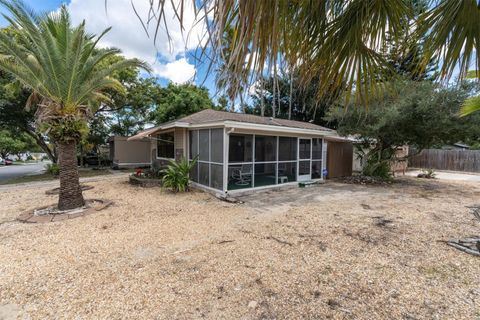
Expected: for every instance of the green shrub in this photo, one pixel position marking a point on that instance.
(379, 169)
(53, 169)
(177, 175)
(378, 164)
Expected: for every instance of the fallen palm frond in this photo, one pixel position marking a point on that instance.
(469, 245)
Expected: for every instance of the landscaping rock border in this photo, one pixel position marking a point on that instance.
(91, 206)
(145, 182)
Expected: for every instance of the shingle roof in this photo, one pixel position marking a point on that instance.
(212, 116)
(209, 115)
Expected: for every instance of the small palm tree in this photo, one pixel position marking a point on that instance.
(60, 64)
(177, 174)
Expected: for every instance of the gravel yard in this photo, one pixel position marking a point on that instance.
(332, 251)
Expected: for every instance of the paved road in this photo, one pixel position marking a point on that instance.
(14, 171)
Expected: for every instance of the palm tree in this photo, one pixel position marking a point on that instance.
(342, 42)
(59, 63)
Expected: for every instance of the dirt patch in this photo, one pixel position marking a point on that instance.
(302, 253)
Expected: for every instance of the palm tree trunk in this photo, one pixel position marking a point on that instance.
(70, 191)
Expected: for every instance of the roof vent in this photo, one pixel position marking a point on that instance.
(271, 119)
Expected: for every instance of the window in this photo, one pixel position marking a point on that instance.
(193, 144)
(287, 159)
(240, 148)
(216, 176)
(208, 145)
(316, 169)
(317, 148)
(304, 145)
(287, 149)
(287, 172)
(204, 145)
(216, 141)
(203, 177)
(166, 145)
(265, 148)
(240, 156)
(265, 174)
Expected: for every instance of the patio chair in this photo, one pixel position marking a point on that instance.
(243, 175)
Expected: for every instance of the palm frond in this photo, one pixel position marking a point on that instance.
(471, 105)
(58, 61)
(453, 35)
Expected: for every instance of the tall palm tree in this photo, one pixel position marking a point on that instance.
(59, 63)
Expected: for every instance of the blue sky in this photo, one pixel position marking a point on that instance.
(171, 61)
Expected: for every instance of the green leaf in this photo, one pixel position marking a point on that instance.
(470, 105)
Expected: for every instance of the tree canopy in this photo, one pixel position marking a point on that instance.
(14, 144)
(179, 100)
(414, 113)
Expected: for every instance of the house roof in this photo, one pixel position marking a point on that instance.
(210, 116)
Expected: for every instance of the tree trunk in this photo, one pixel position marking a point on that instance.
(70, 192)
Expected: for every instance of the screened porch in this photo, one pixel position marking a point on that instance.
(233, 161)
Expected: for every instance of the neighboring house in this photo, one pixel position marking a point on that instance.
(241, 152)
(129, 154)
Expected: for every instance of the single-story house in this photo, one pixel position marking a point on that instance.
(241, 152)
(129, 154)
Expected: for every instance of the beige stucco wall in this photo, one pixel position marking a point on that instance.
(129, 153)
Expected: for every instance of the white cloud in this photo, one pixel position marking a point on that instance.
(179, 71)
(128, 34)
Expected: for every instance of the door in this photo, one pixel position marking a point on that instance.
(304, 159)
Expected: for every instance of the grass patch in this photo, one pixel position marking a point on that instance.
(84, 173)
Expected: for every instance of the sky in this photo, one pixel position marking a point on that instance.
(170, 60)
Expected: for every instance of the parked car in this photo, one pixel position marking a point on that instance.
(90, 159)
(6, 162)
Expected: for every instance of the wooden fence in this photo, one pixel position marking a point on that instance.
(454, 160)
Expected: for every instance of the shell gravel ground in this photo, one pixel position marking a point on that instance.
(334, 251)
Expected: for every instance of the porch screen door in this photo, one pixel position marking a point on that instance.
(304, 159)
